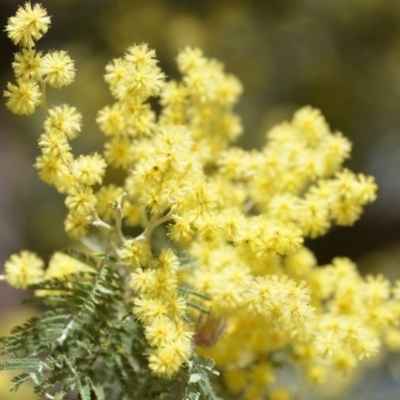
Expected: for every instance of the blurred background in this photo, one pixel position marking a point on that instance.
(341, 56)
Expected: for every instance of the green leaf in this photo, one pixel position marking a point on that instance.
(80, 256)
(186, 289)
(18, 380)
(193, 395)
(98, 391)
(84, 390)
(19, 363)
(60, 395)
(197, 306)
(36, 377)
(194, 378)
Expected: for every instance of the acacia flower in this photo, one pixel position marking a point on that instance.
(61, 265)
(53, 144)
(136, 253)
(141, 56)
(76, 225)
(111, 120)
(29, 24)
(106, 195)
(81, 200)
(89, 169)
(64, 120)
(118, 152)
(28, 64)
(58, 69)
(23, 98)
(23, 269)
(164, 362)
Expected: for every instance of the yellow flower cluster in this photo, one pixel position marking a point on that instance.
(240, 215)
(161, 310)
(32, 69)
(323, 317)
(298, 177)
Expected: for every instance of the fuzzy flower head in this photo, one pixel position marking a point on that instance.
(136, 253)
(141, 56)
(23, 98)
(61, 265)
(64, 120)
(81, 200)
(28, 64)
(76, 225)
(89, 169)
(23, 269)
(28, 25)
(58, 68)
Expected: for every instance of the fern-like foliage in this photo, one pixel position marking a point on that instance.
(89, 346)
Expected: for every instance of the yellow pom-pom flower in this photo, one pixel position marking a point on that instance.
(23, 269)
(23, 98)
(136, 253)
(28, 25)
(64, 120)
(81, 200)
(28, 64)
(58, 69)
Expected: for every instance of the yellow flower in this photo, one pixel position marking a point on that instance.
(29, 24)
(164, 362)
(53, 171)
(28, 64)
(81, 201)
(141, 56)
(118, 152)
(64, 120)
(76, 225)
(146, 310)
(23, 269)
(190, 58)
(53, 144)
(115, 73)
(160, 331)
(142, 281)
(89, 169)
(23, 98)
(235, 379)
(143, 83)
(111, 120)
(131, 213)
(58, 69)
(105, 196)
(61, 265)
(280, 394)
(136, 253)
(180, 231)
(167, 260)
(312, 124)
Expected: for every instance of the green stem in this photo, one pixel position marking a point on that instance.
(192, 292)
(248, 206)
(117, 207)
(99, 223)
(44, 102)
(153, 223)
